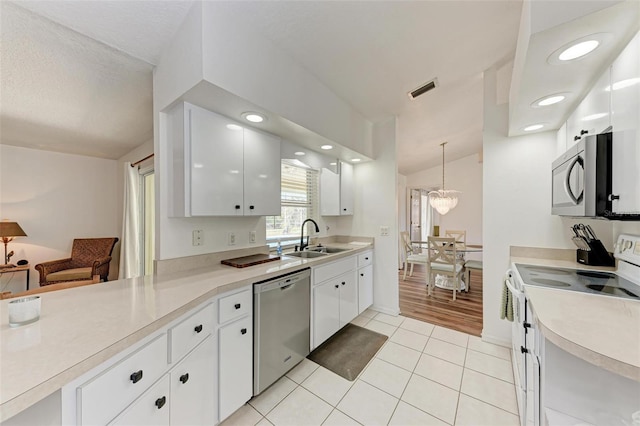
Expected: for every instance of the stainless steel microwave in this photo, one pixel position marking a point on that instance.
(598, 177)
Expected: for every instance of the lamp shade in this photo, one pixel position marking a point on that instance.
(11, 229)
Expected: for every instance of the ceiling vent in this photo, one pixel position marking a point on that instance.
(423, 89)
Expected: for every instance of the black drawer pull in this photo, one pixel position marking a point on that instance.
(344, 210)
(136, 377)
(362, 275)
(237, 206)
(337, 286)
(198, 328)
(251, 207)
(237, 306)
(243, 331)
(184, 378)
(366, 258)
(343, 283)
(160, 402)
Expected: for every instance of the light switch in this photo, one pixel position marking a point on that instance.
(252, 237)
(232, 238)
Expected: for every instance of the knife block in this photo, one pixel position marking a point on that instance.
(596, 256)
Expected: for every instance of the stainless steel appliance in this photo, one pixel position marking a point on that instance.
(526, 342)
(598, 177)
(282, 312)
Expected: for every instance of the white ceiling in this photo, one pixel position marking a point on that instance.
(65, 91)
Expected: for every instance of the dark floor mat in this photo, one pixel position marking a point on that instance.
(348, 351)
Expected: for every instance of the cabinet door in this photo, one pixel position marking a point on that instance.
(346, 189)
(215, 164)
(326, 311)
(193, 387)
(261, 174)
(348, 297)
(235, 372)
(151, 408)
(625, 96)
(329, 193)
(365, 288)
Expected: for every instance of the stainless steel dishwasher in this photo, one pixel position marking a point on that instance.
(282, 308)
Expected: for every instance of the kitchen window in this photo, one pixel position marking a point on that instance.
(299, 199)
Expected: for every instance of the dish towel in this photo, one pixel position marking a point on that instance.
(506, 307)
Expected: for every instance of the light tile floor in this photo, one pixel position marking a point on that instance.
(423, 375)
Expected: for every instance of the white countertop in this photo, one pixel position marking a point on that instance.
(82, 327)
(602, 330)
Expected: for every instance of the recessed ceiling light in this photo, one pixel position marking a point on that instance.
(234, 127)
(333, 164)
(234, 172)
(326, 147)
(197, 165)
(356, 160)
(578, 50)
(623, 84)
(549, 100)
(594, 116)
(533, 127)
(299, 153)
(253, 117)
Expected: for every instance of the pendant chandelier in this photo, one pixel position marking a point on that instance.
(443, 200)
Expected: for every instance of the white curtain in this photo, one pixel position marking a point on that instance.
(130, 250)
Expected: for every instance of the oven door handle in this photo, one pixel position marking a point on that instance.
(510, 286)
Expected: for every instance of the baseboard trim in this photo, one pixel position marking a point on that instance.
(495, 340)
(387, 311)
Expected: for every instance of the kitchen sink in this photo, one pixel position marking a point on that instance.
(306, 254)
(336, 250)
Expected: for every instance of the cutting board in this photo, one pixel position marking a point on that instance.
(256, 259)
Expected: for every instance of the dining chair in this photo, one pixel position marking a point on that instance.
(459, 236)
(410, 256)
(443, 260)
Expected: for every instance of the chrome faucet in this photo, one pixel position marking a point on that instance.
(302, 243)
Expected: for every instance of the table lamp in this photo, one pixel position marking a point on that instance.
(8, 231)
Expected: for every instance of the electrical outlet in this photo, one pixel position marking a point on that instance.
(232, 238)
(197, 237)
(252, 237)
(384, 231)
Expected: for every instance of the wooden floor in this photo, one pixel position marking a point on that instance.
(465, 314)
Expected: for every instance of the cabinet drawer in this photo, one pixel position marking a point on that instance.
(103, 397)
(190, 332)
(151, 409)
(333, 269)
(235, 306)
(365, 259)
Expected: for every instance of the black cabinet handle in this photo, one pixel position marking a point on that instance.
(251, 207)
(576, 138)
(583, 132)
(344, 210)
(343, 283)
(366, 258)
(362, 275)
(524, 350)
(160, 402)
(337, 286)
(136, 377)
(237, 306)
(198, 328)
(184, 378)
(237, 206)
(526, 325)
(243, 331)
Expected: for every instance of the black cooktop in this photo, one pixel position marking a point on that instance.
(585, 281)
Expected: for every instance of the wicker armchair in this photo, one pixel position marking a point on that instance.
(89, 257)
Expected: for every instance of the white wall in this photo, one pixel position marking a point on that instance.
(375, 205)
(55, 198)
(203, 50)
(463, 175)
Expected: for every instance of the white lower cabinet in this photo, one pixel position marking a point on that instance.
(365, 288)
(235, 372)
(150, 409)
(193, 387)
(335, 304)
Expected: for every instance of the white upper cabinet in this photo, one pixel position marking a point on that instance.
(592, 116)
(221, 171)
(336, 191)
(261, 174)
(625, 96)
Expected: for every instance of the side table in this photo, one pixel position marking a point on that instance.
(14, 269)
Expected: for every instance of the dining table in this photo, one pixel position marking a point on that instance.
(461, 250)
